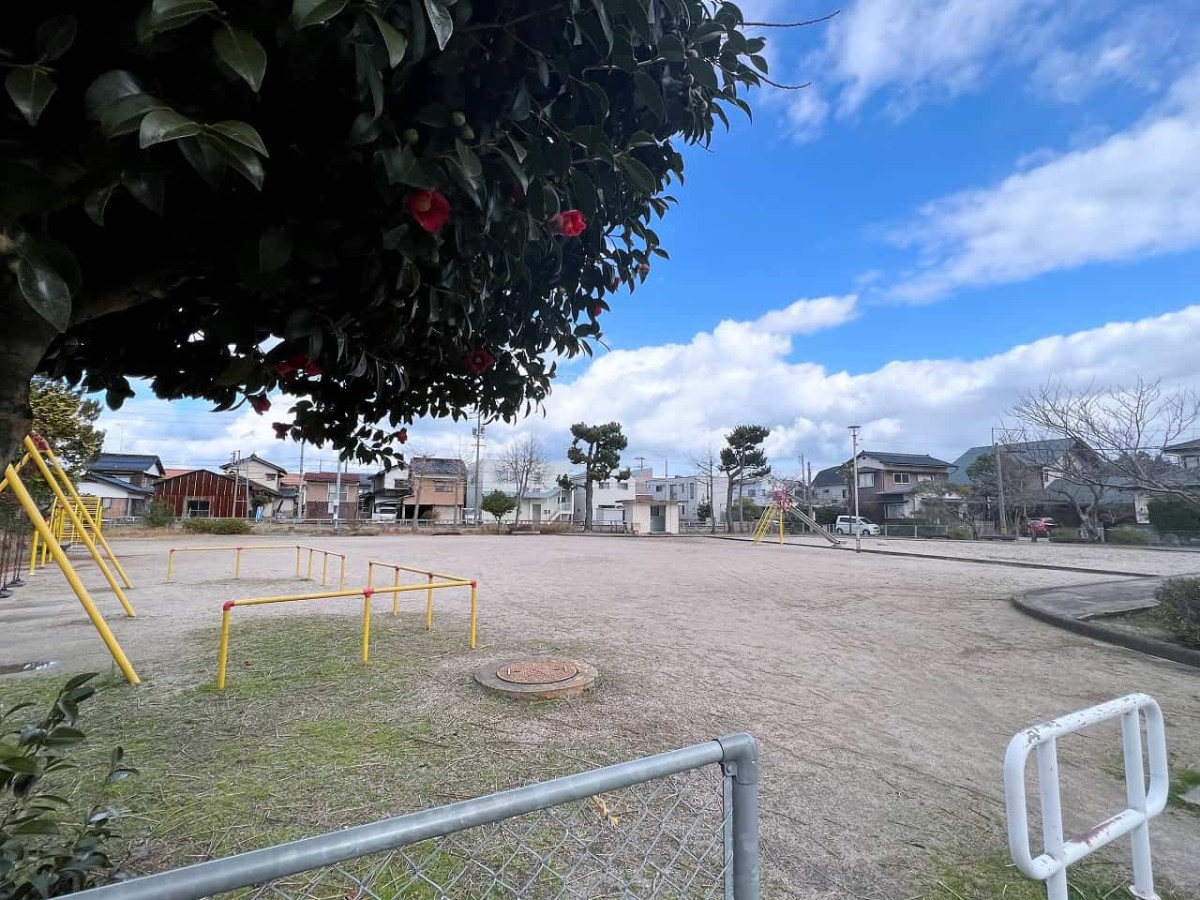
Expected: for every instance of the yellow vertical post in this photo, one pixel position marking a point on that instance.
(297, 560)
(223, 650)
(324, 566)
(396, 594)
(237, 562)
(33, 553)
(342, 576)
(429, 604)
(370, 574)
(170, 562)
(781, 526)
(309, 576)
(39, 524)
(474, 609)
(77, 525)
(366, 641)
(95, 522)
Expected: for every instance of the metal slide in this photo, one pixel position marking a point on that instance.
(812, 523)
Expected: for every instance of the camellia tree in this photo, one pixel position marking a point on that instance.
(385, 208)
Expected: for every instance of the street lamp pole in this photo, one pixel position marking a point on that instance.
(857, 527)
(999, 483)
(477, 433)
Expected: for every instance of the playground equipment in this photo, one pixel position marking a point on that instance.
(366, 593)
(781, 506)
(297, 549)
(38, 451)
(430, 576)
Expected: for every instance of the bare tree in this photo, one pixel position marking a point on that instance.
(1115, 435)
(524, 464)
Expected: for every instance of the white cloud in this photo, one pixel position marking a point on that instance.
(1134, 194)
(675, 400)
(904, 53)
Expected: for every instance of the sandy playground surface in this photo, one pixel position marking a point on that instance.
(883, 689)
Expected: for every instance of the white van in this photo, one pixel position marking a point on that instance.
(855, 524)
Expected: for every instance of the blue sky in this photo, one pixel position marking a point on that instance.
(986, 193)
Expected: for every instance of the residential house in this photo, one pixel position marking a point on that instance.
(256, 469)
(206, 493)
(1188, 453)
(386, 492)
(138, 469)
(606, 497)
(830, 488)
(438, 489)
(888, 482)
(1044, 461)
(118, 499)
(688, 492)
(492, 476)
(319, 496)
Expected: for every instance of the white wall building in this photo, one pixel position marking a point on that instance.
(688, 492)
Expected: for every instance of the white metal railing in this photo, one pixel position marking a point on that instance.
(1143, 805)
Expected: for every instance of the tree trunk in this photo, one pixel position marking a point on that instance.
(587, 503)
(27, 337)
(729, 504)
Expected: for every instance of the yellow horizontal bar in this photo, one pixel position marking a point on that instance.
(416, 571)
(329, 595)
(316, 550)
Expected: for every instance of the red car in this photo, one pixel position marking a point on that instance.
(1041, 527)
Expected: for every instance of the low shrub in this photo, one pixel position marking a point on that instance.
(217, 526)
(1127, 534)
(1179, 605)
(46, 848)
(960, 534)
(158, 515)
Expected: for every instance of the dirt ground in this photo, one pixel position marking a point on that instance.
(883, 689)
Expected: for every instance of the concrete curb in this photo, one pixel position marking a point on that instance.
(1093, 629)
(1010, 563)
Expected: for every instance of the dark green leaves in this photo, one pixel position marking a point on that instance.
(395, 42)
(315, 12)
(166, 15)
(649, 94)
(54, 37)
(440, 21)
(165, 125)
(274, 250)
(30, 89)
(643, 179)
(48, 277)
(242, 52)
(240, 133)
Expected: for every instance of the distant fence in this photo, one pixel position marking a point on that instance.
(675, 826)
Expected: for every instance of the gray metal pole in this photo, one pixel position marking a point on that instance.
(855, 526)
(337, 496)
(740, 752)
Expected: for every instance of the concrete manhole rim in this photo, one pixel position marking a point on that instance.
(585, 676)
(537, 671)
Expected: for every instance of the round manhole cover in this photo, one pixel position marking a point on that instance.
(537, 671)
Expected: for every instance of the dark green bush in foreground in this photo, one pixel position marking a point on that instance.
(217, 526)
(1179, 605)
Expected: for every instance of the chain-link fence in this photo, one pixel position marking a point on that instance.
(681, 825)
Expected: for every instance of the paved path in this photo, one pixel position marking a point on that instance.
(1081, 609)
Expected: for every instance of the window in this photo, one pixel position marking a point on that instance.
(272, 476)
(196, 509)
(443, 487)
(843, 493)
(692, 491)
(924, 478)
(106, 502)
(901, 478)
(622, 484)
(604, 485)
(658, 488)
(866, 479)
(750, 493)
(894, 511)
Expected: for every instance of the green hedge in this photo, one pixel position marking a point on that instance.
(1173, 516)
(1179, 605)
(1127, 534)
(217, 526)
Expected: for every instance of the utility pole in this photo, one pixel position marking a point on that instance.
(809, 490)
(300, 487)
(857, 527)
(477, 433)
(236, 458)
(337, 496)
(641, 461)
(999, 483)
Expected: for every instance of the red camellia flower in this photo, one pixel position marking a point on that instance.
(516, 193)
(401, 436)
(597, 310)
(281, 429)
(311, 368)
(297, 362)
(259, 403)
(479, 361)
(569, 222)
(430, 208)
